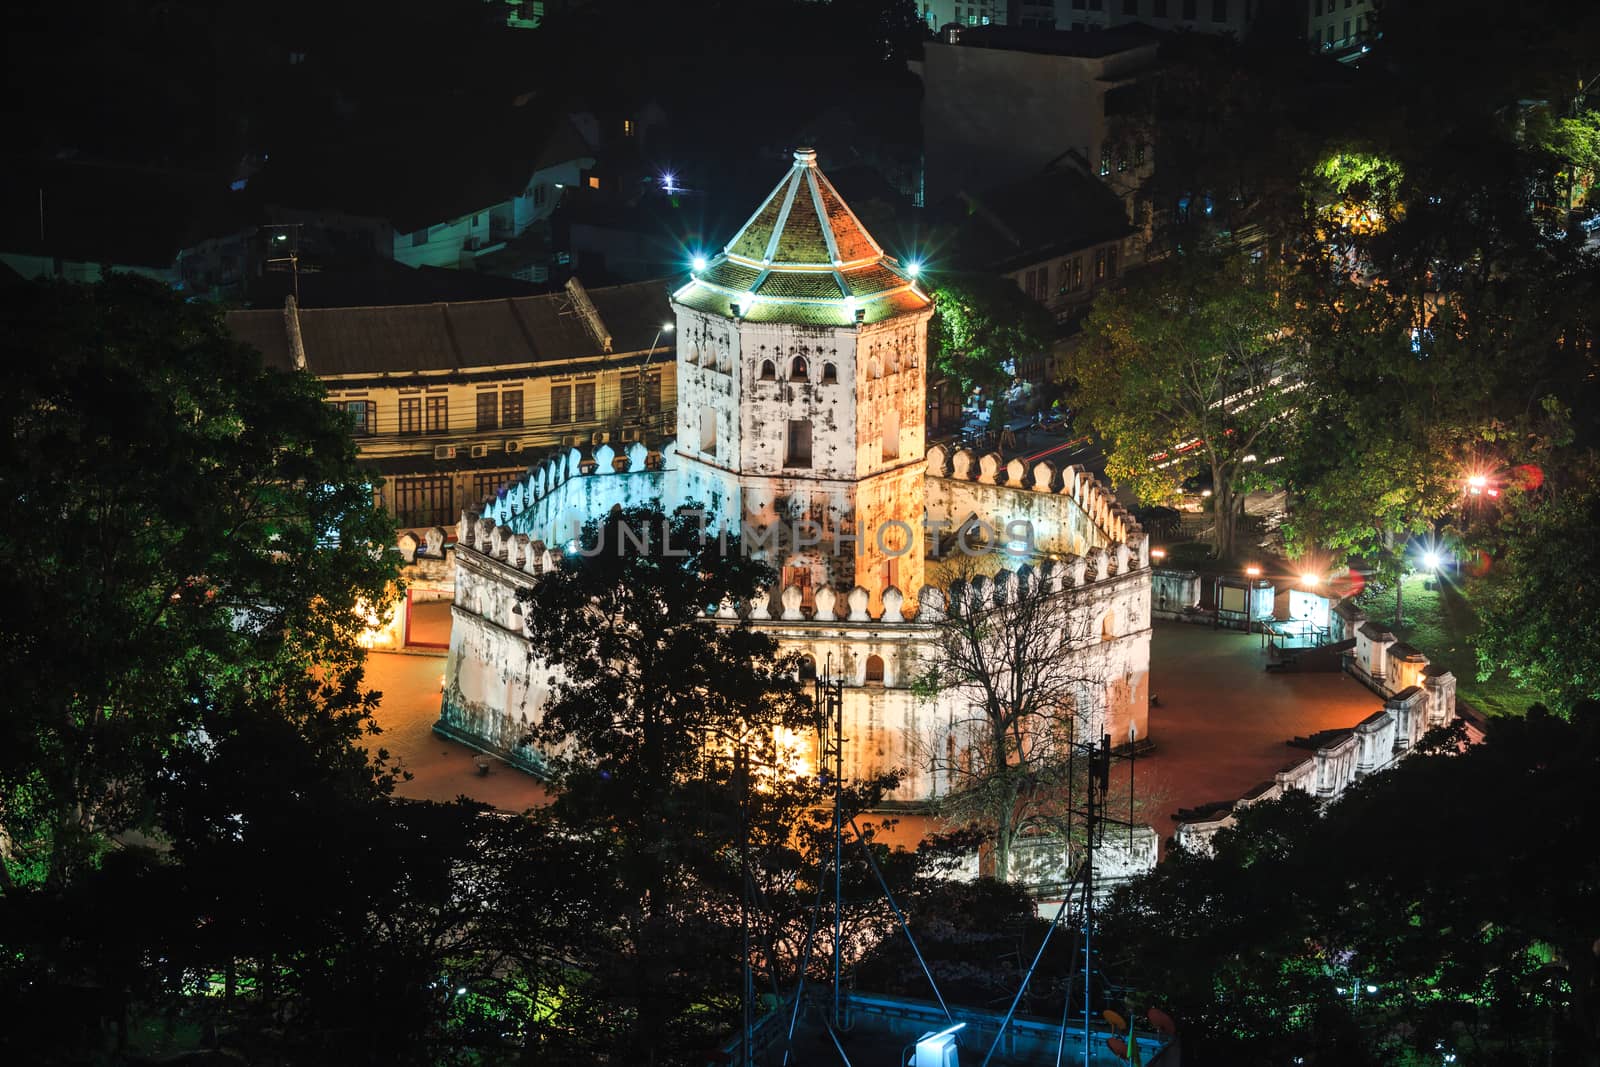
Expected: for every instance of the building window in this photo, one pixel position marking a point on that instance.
(1346, 33)
(1122, 162)
(363, 416)
(830, 374)
(1077, 5)
(1219, 10)
(488, 411)
(1100, 266)
(583, 401)
(560, 404)
(708, 432)
(1111, 262)
(891, 434)
(808, 669)
(511, 409)
(594, 182)
(874, 671)
(487, 486)
(1138, 154)
(538, 195)
(424, 501)
(627, 128)
(411, 415)
(1159, 8)
(798, 370)
(1036, 283)
(1105, 160)
(1316, 7)
(798, 453)
(630, 393)
(769, 370)
(438, 414)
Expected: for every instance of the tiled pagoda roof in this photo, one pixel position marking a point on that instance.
(804, 257)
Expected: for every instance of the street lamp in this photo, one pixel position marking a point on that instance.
(644, 370)
(1430, 561)
(1253, 571)
(1158, 554)
(1311, 581)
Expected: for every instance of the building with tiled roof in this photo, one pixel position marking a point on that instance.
(445, 398)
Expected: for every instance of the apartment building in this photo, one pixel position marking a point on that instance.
(451, 401)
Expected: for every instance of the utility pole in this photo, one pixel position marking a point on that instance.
(293, 258)
(830, 736)
(742, 764)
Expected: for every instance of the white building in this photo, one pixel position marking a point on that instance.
(801, 383)
(480, 229)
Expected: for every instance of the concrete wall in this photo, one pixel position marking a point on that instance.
(993, 116)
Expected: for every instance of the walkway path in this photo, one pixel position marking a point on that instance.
(442, 770)
(1223, 720)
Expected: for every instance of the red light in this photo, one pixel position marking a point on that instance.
(1528, 476)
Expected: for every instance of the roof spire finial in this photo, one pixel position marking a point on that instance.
(806, 155)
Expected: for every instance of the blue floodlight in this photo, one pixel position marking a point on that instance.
(698, 263)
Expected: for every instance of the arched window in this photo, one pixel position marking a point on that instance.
(798, 369)
(1108, 626)
(769, 370)
(808, 669)
(830, 374)
(874, 670)
(874, 369)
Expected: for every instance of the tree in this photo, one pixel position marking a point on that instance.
(183, 524)
(1537, 606)
(1332, 937)
(647, 698)
(1009, 657)
(1187, 370)
(982, 327)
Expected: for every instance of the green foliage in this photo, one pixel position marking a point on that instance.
(1538, 602)
(1266, 950)
(982, 327)
(1188, 370)
(185, 527)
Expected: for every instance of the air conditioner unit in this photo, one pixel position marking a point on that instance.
(479, 451)
(513, 446)
(444, 451)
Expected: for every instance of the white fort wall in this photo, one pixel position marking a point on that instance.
(492, 696)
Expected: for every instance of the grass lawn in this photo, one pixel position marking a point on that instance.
(1439, 623)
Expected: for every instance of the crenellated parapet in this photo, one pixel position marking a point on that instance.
(1069, 507)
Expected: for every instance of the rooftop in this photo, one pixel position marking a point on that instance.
(1079, 44)
(353, 341)
(1054, 212)
(803, 257)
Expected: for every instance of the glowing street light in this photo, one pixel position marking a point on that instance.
(1311, 580)
(669, 182)
(914, 268)
(1476, 484)
(1158, 554)
(1431, 560)
(1253, 571)
(698, 264)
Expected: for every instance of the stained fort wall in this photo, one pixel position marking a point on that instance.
(876, 645)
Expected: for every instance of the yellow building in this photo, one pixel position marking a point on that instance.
(452, 401)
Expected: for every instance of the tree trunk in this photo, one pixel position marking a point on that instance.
(1222, 514)
(1006, 812)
